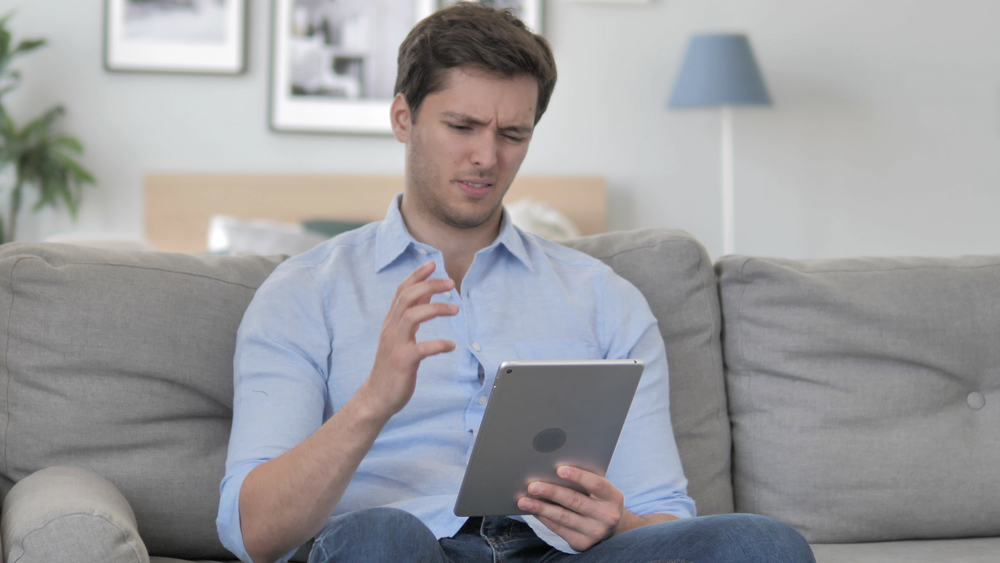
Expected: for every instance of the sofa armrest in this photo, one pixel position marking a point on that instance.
(68, 513)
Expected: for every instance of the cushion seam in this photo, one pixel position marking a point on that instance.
(715, 364)
(644, 247)
(880, 270)
(753, 410)
(106, 519)
(145, 268)
(6, 366)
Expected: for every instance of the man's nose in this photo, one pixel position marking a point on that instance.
(484, 150)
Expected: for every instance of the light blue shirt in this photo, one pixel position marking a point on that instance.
(308, 340)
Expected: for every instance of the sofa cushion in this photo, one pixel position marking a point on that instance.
(865, 394)
(972, 550)
(67, 510)
(120, 362)
(674, 273)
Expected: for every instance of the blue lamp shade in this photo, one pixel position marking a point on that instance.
(719, 70)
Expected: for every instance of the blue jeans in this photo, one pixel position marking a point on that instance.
(393, 536)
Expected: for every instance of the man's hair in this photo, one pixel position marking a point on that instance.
(473, 35)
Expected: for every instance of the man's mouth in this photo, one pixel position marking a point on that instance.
(475, 189)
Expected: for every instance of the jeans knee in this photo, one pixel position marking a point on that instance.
(768, 535)
(385, 518)
(375, 534)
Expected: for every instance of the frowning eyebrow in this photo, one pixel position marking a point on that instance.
(467, 119)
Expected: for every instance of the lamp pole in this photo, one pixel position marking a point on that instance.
(728, 192)
(720, 70)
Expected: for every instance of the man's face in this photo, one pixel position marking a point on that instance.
(465, 145)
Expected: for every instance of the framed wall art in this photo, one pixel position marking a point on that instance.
(333, 62)
(195, 36)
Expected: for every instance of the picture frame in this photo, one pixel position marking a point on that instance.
(175, 36)
(333, 63)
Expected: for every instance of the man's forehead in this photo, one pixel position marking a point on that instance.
(481, 96)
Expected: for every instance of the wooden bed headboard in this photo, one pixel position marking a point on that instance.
(178, 207)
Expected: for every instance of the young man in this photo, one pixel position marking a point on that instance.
(363, 366)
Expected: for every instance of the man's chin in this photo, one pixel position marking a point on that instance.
(473, 220)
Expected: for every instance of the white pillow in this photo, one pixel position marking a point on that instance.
(232, 235)
(541, 219)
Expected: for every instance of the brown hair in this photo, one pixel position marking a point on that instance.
(472, 34)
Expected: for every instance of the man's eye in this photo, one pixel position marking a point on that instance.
(514, 138)
(460, 127)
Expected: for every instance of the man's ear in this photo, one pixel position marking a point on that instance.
(399, 115)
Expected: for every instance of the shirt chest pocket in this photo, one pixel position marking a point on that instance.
(533, 350)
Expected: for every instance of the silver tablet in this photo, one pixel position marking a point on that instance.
(542, 415)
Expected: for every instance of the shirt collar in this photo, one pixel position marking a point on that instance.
(393, 239)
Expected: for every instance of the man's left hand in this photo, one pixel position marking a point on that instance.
(582, 520)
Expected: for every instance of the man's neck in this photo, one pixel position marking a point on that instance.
(457, 245)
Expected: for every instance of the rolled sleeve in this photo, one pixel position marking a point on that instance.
(280, 384)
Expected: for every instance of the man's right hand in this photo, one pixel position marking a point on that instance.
(394, 374)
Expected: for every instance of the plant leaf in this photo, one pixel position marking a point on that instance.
(69, 143)
(27, 45)
(80, 174)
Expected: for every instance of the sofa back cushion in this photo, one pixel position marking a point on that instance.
(865, 394)
(121, 363)
(674, 273)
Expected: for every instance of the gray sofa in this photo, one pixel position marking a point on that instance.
(853, 399)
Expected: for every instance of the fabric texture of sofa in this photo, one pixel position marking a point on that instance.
(855, 400)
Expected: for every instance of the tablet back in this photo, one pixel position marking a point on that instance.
(542, 415)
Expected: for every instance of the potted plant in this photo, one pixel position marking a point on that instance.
(41, 158)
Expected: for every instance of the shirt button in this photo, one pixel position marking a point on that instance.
(477, 347)
(422, 251)
(482, 400)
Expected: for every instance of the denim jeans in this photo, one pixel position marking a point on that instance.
(389, 535)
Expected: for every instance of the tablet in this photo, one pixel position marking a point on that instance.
(542, 415)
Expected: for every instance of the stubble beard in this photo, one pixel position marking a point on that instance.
(424, 176)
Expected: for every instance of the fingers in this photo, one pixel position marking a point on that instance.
(568, 507)
(431, 347)
(593, 483)
(579, 532)
(413, 316)
(418, 275)
(405, 292)
(418, 293)
(394, 371)
(575, 515)
(575, 539)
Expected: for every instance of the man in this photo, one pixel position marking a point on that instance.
(363, 366)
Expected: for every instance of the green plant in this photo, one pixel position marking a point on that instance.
(41, 158)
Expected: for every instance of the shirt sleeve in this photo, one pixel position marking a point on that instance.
(646, 465)
(279, 384)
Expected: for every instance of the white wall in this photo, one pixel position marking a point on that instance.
(884, 138)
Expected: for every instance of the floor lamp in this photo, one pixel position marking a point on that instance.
(719, 70)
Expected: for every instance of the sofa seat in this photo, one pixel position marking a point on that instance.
(972, 550)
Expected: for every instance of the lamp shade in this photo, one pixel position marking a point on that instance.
(719, 70)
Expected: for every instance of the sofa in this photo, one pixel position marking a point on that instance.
(855, 399)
